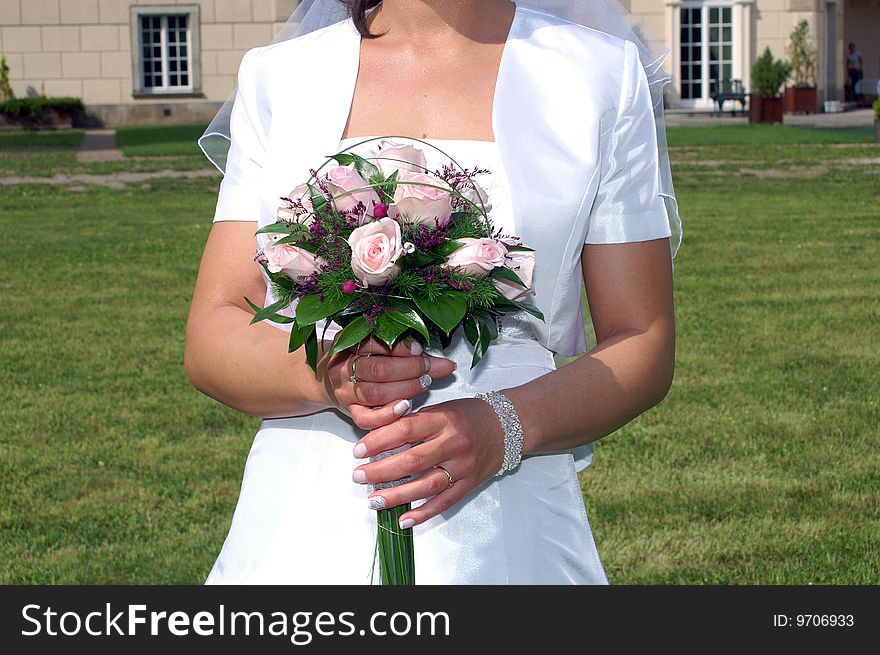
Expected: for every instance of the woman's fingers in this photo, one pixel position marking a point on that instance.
(379, 368)
(369, 418)
(430, 484)
(380, 393)
(439, 503)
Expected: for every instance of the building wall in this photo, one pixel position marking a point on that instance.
(768, 23)
(83, 48)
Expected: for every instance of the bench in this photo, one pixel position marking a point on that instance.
(729, 90)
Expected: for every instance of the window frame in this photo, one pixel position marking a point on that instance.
(192, 12)
(704, 7)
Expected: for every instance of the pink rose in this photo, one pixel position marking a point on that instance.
(477, 256)
(393, 156)
(521, 262)
(375, 247)
(290, 260)
(475, 193)
(346, 178)
(418, 203)
(291, 214)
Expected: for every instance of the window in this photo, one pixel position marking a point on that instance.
(166, 51)
(706, 49)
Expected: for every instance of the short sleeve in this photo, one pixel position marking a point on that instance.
(628, 205)
(239, 198)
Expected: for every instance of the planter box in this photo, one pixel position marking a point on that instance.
(765, 110)
(800, 100)
(49, 118)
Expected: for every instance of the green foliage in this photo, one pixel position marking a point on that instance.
(769, 74)
(6, 92)
(802, 55)
(34, 107)
(467, 225)
(876, 107)
(160, 140)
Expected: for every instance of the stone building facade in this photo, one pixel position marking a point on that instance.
(175, 60)
(717, 39)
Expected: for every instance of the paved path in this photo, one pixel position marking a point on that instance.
(99, 145)
(852, 118)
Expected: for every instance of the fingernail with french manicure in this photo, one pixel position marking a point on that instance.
(399, 409)
(359, 476)
(415, 347)
(359, 450)
(405, 524)
(377, 502)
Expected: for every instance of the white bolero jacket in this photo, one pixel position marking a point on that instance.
(572, 118)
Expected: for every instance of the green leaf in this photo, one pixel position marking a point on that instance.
(293, 240)
(273, 228)
(311, 310)
(506, 274)
(471, 331)
(312, 349)
(520, 248)
(447, 248)
(490, 325)
(410, 318)
(262, 313)
(367, 170)
(356, 331)
(299, 335)
(343, 158)
(446, 312)
(388, 330)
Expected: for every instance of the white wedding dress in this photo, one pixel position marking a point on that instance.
(301, 519)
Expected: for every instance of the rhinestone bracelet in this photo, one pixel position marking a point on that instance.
(513, 434)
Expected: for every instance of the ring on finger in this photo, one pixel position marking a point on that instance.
(450, 480)
(354, 360)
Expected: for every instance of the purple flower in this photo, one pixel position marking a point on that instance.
(380, 209)
(349, 287)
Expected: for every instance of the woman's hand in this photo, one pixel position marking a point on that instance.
(463, 436)
(387, 379)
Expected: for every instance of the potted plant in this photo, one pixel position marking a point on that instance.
(801, 96)
(768, 76)
(876, 107)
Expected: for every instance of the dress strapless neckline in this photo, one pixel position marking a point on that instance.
(355, 139)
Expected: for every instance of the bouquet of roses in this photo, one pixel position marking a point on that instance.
(382, 246)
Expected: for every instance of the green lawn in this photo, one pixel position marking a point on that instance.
(760, 466)
(147, 141)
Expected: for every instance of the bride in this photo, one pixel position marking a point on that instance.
(562, 116)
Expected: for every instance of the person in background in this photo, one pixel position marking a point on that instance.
(855, 72)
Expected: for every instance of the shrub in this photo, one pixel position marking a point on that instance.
(876, 107)
(769, 74)
(6, 92)
(34, 107)
(802, 55)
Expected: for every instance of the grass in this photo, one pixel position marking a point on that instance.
(152, 141)
(760, 466)
(36, 140)
(762, 134)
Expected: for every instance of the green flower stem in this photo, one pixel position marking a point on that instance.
(396, 553)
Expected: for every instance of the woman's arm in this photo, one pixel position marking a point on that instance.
(629, 287)
(248, 368)
(241, 365)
